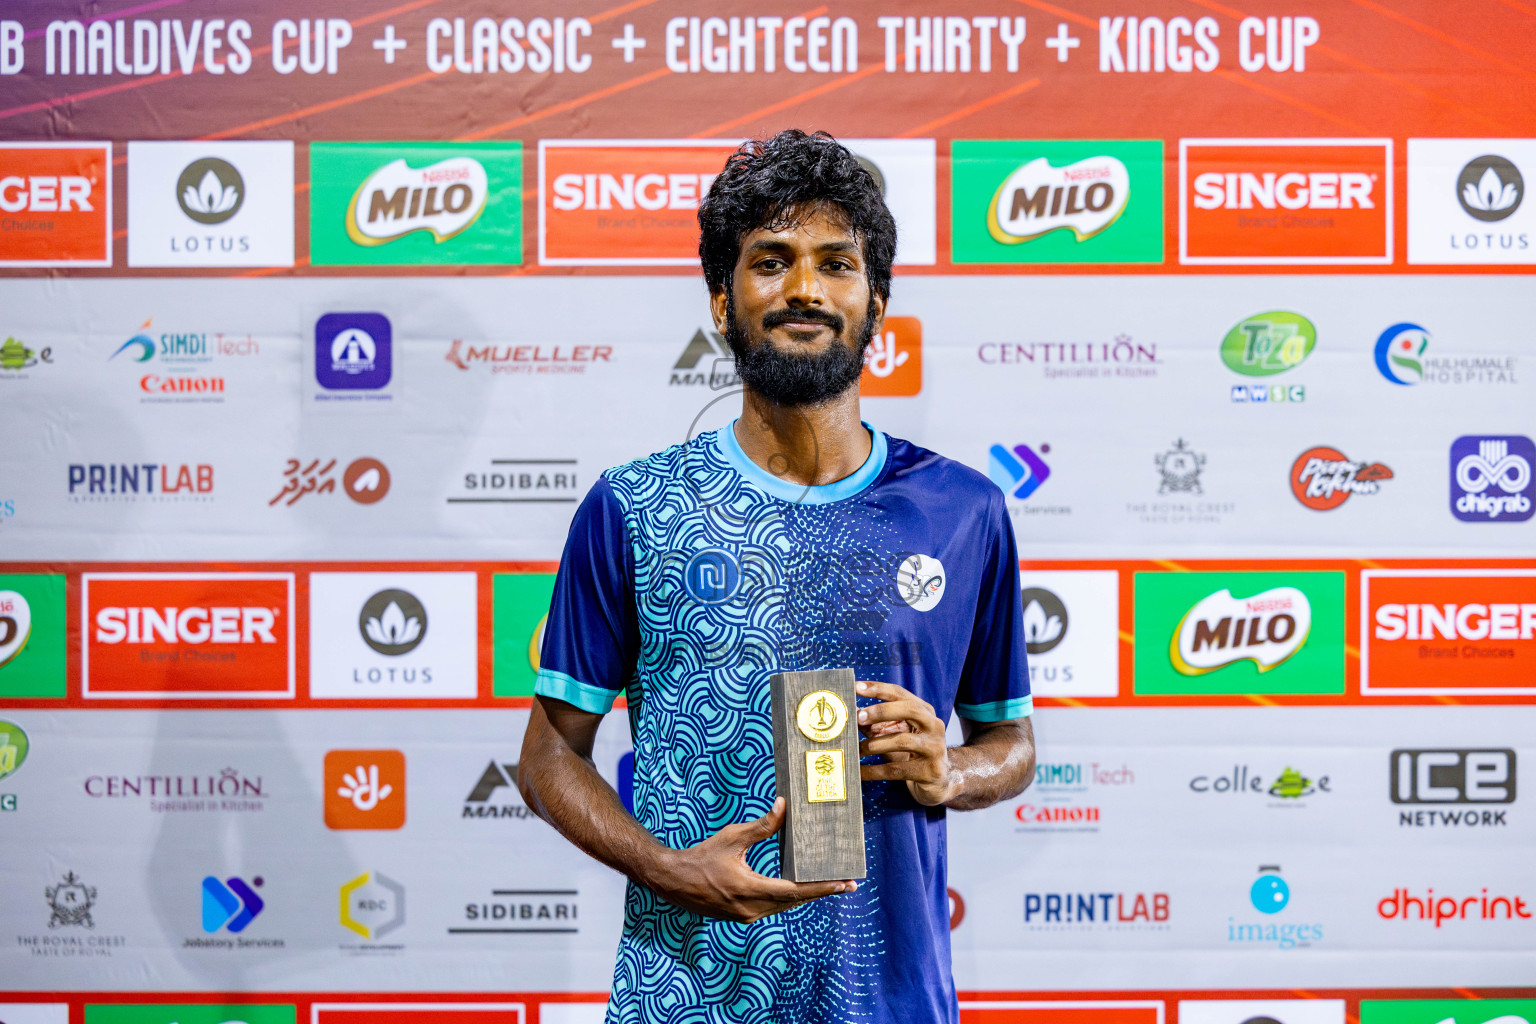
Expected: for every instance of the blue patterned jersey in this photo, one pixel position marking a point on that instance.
(690, 577)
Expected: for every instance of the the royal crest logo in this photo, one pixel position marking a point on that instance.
(1220, 630)
(71, 902)
(1084, 197)
(1180, 469)
(443, 198)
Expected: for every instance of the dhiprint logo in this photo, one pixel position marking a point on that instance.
(1323, 478)
(372, 905)
(364, 789)
(353, 351)
(231, 904)
(393, 622)
(1268, 343)
(210, 190)
(1490, 188)
(210, 204)
(1402, 905)
(1084, 197)
(712, 576)
(1400, 353)
(893, 362)
(397, 199)
(1018, 472)
(920, 581)
(1491, 478)
(1045, 620)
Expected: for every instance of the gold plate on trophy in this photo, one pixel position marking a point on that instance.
(821, 716)
(824, 779)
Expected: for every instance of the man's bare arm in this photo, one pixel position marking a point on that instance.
(559, 781)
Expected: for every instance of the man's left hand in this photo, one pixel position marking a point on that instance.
(904, 730)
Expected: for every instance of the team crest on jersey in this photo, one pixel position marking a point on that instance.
(920, 582)
(712, 576)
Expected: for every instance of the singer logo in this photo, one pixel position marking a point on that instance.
(621, 203)
(187, 635)
(893, 363)
(1448, 631)
(1279, 201)
(56, 204)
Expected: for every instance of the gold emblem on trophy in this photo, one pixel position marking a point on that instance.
(821, 716)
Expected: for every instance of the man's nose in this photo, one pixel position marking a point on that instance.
(802, 285)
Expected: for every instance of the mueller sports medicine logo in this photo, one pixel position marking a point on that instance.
(1084, 197)
(1448, 631)
(1220, 630)
(1285, 201)
(1492, 479)
(56, 204)
(1322, 478)
(530, 359)
(442, 199)
(1461, 788)
(187, 635)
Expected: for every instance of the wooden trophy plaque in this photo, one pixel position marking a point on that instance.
(816, 766)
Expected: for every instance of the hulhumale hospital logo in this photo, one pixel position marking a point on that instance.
(712, 576)
(1400, 353)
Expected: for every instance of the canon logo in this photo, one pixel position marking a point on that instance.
(194, 625)
(1325, 190)
(45, 193)
(629, 191)
(1450, 622)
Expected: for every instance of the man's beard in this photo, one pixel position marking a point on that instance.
(792, 378)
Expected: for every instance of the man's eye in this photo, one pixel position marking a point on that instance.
(839, 265)
(771, 263)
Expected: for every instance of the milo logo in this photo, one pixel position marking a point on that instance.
(1220, 629)
(444, 199)
(1085, 197)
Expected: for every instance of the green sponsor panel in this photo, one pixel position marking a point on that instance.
(413, 204)
(32, 635)
(1056, 202)
(1446, 1011)
(519, 603)
(1200, 633)
(188, 1013)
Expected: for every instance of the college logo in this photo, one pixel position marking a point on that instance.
(920, 582)
(1285, 201)
(1491, 478)
(1268, 343)
(187, 635)
(56, 204)
(1400, 353)
(352, 351)
(1403, 905)
(1290, 787)
(1490, 188)
(1071, 631)
(1239, 632)
(1018, 472)
(16, 357)
(1057, 202)
(415, 203)
(1466, 201)
(382, 642)
(232, 904)
(364, 789)
(1261, 1011)
(1323, 478)
(372, 905)
(1447, 1011)
(210, 204)
(1455, 778)
(1448, 631)
(712, 576)
(519, 606)
(71, 902)
(393, 622)
(893, 362)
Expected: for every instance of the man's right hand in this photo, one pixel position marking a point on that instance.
(713, 878)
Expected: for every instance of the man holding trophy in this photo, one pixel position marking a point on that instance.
(733, 587)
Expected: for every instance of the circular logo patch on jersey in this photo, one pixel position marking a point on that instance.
(821, 715)
(920, 581)
(712, 576)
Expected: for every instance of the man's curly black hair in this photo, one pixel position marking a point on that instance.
(775, 183)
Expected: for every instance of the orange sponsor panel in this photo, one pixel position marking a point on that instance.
(364, 789)
(1285, 201)
(1109, 1012)
(1429, 631)
(893, 363)
(624, 203)
(187, 635)
(56, 204)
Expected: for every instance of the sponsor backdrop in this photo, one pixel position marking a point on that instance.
(317, 320)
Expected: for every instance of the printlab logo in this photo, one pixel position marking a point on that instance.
(353, 351)
(372, 905)
(1264, 345)
(1323, 478)
(718, 369)
(893, 362)
(16, 357)
(231, 904)
(1270, 895)
(1491, 478)
(1097, 911)
(1490, 188)
(712, 576)
(1045, 620)
(495, 795)
(364, 789)
(210, 190)
(71, 902)
(1453, 779)
(920, 582)
(393, 622)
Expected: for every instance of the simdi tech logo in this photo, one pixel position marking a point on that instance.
(32, 639)
(405, 204)
(56, 204)
(189, 1013)
(1057, 202)
(1467, 201)
(212, 635)
(210, 204)
(1448, 1011)
(1285, 201)
(1239, 632)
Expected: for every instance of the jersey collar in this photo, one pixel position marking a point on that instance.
(861, 478)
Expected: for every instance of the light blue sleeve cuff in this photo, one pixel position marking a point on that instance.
(560, 686)
(998, 710)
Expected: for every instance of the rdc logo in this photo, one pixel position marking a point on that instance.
(712, 576)
(1491, 479)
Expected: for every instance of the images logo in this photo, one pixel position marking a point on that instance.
(1057, 202)
(1268, 343)
(1270, 895)
(71, 902)
(352, 351)
(364, 789)
(1490, 188)
(372, 905)
(210, 190)
(416, 203)
(1400, 353)
(1323, 479)
(393, 622)
(893, 363)
(1045, 620)
(230, 904)
(1491, 479)
(57, 202)
(1020, 472)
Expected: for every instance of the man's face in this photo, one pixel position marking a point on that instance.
(800, 313)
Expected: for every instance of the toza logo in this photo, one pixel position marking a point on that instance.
(1268, 343)
(1084, 197)
(1211, 634)
(210, 190)
(1490, 188)
(443, 199)
(1491, 479)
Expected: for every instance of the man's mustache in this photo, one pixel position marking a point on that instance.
(779, 317)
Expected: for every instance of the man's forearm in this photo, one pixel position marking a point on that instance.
(995, 763)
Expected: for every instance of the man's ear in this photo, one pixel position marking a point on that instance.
(719, 305)
(876, 314)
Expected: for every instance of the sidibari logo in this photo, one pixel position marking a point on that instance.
(1084, 197)
(210, 190)
(443, 199)
(1267, 629)
(1490, 188)
(1322, 478)
(1268, 343)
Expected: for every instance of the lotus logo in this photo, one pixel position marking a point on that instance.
(210, 190)
(1490, 188)
(444, 198)
(1086, 197)
(1045, 620)
(393, 622)
(1221, 630)
(1400, 353)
